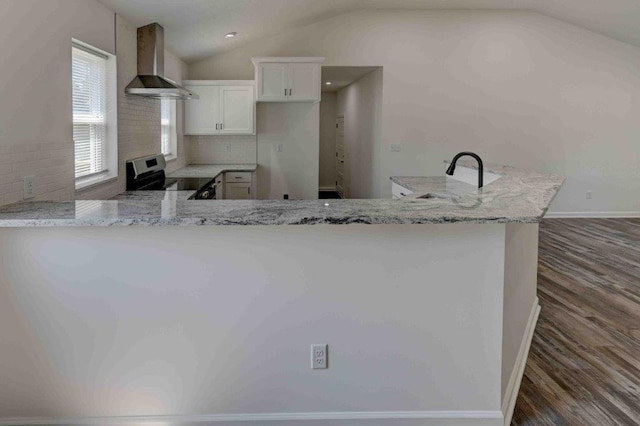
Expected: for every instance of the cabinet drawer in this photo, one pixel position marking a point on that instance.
(237, 177)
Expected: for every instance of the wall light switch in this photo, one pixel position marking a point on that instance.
(228, 147)
(280, 147)
(395, 147)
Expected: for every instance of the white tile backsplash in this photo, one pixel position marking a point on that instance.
(221, 149)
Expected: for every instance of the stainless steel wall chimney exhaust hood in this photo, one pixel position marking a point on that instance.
(150, 81)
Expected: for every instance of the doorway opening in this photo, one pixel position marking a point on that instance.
(350, 126)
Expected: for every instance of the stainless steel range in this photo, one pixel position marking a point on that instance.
(147, 174)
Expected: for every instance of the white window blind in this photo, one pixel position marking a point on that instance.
(165, 123)
(89, 73)
(168, 126)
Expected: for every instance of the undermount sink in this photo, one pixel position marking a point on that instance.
(430, 195)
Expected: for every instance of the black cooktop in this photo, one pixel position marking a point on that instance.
(185, 184)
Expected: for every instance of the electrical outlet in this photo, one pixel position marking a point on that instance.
(319, 357)
(29, 187)
(395, 147)
(589, 195)
(280, 147)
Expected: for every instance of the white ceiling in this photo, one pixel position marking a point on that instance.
(195, 29)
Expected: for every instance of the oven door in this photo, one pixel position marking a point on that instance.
(207, 192)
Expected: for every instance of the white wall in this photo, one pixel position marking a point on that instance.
(295, 170)
(219, 320)
(36, 137)
(328, 114)
(520, 296)
(361, 105)
(516, 87)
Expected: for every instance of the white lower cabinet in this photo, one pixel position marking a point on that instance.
(223, 108)
(220, 187)
(238, 186)
(238, 191)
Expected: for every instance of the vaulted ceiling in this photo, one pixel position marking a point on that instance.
(195, 28)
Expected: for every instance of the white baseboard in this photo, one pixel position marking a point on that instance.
(513, 387)
(602, 215)
(326, 188)
(391, 418)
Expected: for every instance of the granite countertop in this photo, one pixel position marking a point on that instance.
(211, 170)
(519, 196)
(154, 196)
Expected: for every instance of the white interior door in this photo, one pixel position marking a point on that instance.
(304, 82)
(272, 82)
(340, 157)
(236, 110)
(201, 115)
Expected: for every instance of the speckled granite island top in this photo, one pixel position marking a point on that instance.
(518, 196)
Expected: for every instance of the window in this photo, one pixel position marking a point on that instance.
(94, 122)
(169, 129)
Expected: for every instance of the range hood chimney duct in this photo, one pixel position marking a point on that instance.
(150, 81)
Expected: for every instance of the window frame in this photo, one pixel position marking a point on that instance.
(110, 146)
(171, 128)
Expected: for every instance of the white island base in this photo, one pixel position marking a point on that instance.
(426, 324)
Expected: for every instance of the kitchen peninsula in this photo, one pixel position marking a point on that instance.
(427, 304)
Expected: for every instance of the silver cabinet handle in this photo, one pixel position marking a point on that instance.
(290, 92)
(249, 190)
(216, 126)
(285, 92)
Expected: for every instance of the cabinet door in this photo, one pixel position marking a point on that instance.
(304, 82)
(272, 82)
(220, 187)
(236, 110)
(238, 191)
(201, 115)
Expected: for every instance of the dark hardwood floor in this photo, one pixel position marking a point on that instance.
(584, 363)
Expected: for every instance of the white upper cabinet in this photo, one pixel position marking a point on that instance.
(236, 110)
(272, 82)
(288, 79)
(200, 114)
(224, 108)
(304, 82)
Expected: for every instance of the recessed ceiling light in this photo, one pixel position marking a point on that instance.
(328, 83)
(231, 34)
